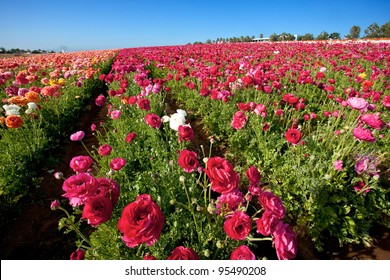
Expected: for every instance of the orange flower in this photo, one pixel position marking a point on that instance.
(14, 121)
(32, 96)
(2, 120)
(17, 100)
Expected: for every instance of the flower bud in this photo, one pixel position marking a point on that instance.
(182, 179)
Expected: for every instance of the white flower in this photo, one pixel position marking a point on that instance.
(323, 69)
(11, 109)
(165, 119)
(182, 112)
(32, 105)
(177, 120)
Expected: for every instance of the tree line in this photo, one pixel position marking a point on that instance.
(20, 51)
(372, 31)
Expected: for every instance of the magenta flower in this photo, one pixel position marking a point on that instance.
(363, 134)
(77, 136)
(338, 165)
(357, 103)
(115, 114)
(117, 163)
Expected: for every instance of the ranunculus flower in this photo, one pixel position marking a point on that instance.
(222, 176)
(238, 225)
(386, 101)
(105, 150)
(177, 119)
(115, 114)
(361, 186)
(55, 204)
(239, 120)
(77, 136)
(183, 253)
(229, 202)
(363, 134)
(143, 104)
(253, 175)
(188, 160)
(100, 100)
(97, 210)
(117, 163)
(79, 254)
(130, 136)
(11, 109)
(81, 163)
(267, 223)
(185, 133)
(108, 188)
(338, 165)
(148, 257)
(14, 121)
(242, 253)
(357, 103)
(141, 222)
(153, 120)
(293, 136)
(78, 188)
(273, 203)
(373, 120)
(285, 242)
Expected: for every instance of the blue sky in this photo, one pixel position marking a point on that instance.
(92, 25)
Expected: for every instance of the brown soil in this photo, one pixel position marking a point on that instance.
(31, 233)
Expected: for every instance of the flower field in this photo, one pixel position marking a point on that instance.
(223, 151)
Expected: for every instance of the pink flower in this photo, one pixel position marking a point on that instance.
(55, 204)
(386, 101)
(78, 188)
(153, 120)
(357, 103)
(130, 137)
(273, 203)
(239, 120)
(253, 175)
(338, 165)
(185, 133)
(117, 163)
(222, 176)
(183, 253)
(267, 223)
(361, 187)
(81, 163)
(100, 100)
(77, 136)
(79, 254)
(115, 114)
(229, 202)
(105, 150)
(373, 121)
(285, 242)
(363, 134)
(93, 127)
(143, 104)
(238, 225)
(242, 253)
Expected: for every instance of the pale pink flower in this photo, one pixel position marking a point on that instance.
(338, 165)
(357, 103)
(77, 136)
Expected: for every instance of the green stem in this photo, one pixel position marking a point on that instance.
(192, 212)
(260, 239)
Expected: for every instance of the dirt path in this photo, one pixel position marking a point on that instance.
(32, 230)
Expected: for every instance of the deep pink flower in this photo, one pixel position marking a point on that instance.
(361, 187)
(238, 225)
(77, 136)
(143, 104)
(115, 114)
(338, 165)
(97, 210)
(55, 204)
(100, 100)
(81, 163)
(117, 163)
(188, 160)
(253, 175)
(229, 202)
(363, 134)
(242, 253)
(386, 101)
(373, 120)
(267, 223)
(183, 253)
(285, 241)
(222, 175)
(141, 222)
(130, 136)
(78, 188)
(105, 150)
(108, 188)
(79, 254)
(153, 120)
(185, 133)
(239, 120)
(273, 203)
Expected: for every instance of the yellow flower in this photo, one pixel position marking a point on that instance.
(61, 82)
(363, 75)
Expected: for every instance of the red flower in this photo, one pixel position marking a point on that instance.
(108, 188)
(141, 222)
(272, 203)
(105, 150)
(143, 104)
(130, 137)
(153, 120)
(188, 160)
(100, 100)
(222, 175)
(97, 210)
(78, 188)
(238, 225)
(267, 223)
(253, 175)
(185, 133)
(293, 136)
(183, 253)
(117, 163)
(81, 163)
(242, 253)
(239, 120)
(79, 254)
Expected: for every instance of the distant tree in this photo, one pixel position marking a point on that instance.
(286, 37)
(334, 36)
(385, 30)
(2, 50)
(306, 37)
(208, 41)
(274, 37)
(323, 36)
(354, 32)
(372, 31)
(261, 35)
